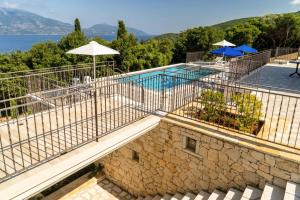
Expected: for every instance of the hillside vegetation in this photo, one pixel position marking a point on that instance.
(231, 23)
(171, 36)
(134, 55)
(234, 22)
(267, 32)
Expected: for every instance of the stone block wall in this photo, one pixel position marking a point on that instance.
(164, 165)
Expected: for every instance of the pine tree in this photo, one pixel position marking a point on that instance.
(122, 32)
(77, 26)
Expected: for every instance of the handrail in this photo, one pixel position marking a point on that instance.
(122, 72)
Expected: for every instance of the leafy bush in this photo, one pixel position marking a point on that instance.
(213, 109)
(213, 105)
(249, 110)
(14, 110)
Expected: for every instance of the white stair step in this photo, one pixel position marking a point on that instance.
(233, 194)
(167, 197)
(189, 196)
(177, 196)
(157, 197)
(251, 193)
(216, 195)
(292, 191)
(272, 192)
(148, 198)
(202, 196)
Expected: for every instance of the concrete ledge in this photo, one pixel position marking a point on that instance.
(36, 180)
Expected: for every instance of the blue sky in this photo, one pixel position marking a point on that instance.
(153, 16)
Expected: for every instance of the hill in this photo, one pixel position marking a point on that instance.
(20, 22)
(227, 24)
(172, 36)
(230, 23)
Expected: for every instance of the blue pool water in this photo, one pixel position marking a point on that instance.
(185, 75)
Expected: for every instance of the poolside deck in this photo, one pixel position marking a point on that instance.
(275, 76)
(280, 98)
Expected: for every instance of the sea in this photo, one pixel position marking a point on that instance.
(10, 43)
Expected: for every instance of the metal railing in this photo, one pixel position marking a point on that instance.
(246, 64)
(284, 54)
(195, 56)
(245, 109)
(39, 126)
(46, 113)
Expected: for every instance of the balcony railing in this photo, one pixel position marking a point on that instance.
(284, 54)
(241, 108)
(47, 113)
(246, 64)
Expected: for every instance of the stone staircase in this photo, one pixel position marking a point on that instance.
(270, 192)
(102, 188)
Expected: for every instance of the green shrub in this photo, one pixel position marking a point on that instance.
(249, 110)
(14, 110)
(213, 103)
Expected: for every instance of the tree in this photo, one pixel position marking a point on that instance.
(196, 39)
(122, 32)
(125, 46)
(242, 34)
(278, 31)
(77, 26)
(71, 41)
(45, 55)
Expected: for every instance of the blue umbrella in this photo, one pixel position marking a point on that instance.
(227, 51)
(246, 49)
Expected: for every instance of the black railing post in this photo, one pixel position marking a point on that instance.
(162, 96)
(96, 112)
(173, 94)
(143, 94)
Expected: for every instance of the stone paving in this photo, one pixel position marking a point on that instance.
(91, 190)
(276, 76)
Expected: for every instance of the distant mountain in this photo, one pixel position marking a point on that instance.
(105, 29)
(20, 22)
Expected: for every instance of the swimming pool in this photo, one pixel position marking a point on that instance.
(150, 79)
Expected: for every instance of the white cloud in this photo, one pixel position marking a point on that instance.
(8, 5)
(295, 2)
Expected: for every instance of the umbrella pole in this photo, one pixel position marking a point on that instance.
(94, 63)
(95, 98)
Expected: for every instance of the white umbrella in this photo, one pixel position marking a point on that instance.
(93, 49)
(224, 43)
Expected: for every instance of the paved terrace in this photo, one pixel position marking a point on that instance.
(276, 76)
(280, 95)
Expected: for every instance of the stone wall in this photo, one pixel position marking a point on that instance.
(166, 166)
